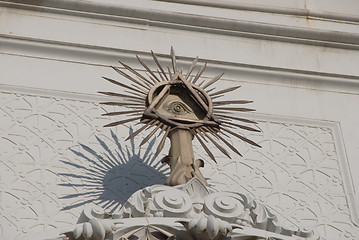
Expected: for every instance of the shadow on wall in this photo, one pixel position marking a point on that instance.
(113, 175)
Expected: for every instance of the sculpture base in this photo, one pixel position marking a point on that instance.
(188, 211)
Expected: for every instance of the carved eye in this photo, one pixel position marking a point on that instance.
(177, 108)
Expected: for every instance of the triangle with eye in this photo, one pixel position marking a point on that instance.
(180, 102)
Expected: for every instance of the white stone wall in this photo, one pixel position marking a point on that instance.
(296, 60)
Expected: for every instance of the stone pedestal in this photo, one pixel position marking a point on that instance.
(189, 211)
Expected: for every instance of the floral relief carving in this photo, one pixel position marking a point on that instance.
(55, 157)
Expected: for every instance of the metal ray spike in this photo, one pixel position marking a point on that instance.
(235, 109)
(200, 84)
(236, 118)
(218, 96)
(158, 64)
(147, 68)
(152, 133)
(220, 148)
(152, 79)
(140, 88)
(217, 111)
(241, 126)
(124, 99)
(121, 113)
(204, 146)
(141, 95)
(135, 101)
(122, 122)
(160, 146)
(123, 85)
(173, 59)
(219, 103)
(199, 73)
(215, 79)
(138, 108)
(210, 90)
(160, 74)
(169, 72)
(129, 77)
(191, 67)
(138, 75)
(163, 127)
(200, 134)
(140, 129)
(225, 141)
(121, 104)
(242, 138)
(224, 91)
(122, 95)
(190, 79)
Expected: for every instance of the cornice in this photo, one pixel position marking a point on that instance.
(99, 56)
(303, 12)
(204, 23)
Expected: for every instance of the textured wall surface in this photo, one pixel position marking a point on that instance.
(56, 156)
(297, 60)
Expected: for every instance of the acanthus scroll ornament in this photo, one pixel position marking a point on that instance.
(176, 212)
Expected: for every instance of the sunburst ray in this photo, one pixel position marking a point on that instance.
(138, 75)
(215, 79)
(159, 65)
(224, 91)
(241, 126)
(173, 60)
(162, 142)
(225, 141)
(153, 80)
(121, 113)
(216, 144)
(147, 68)
(122, 122)
(140, 95)
(141, 129)
(198, 136)
(192, 67)
(236, 118)
(123, 85)
(198, 75)
(122, 95)
(130, 78)
(241, 137)
(169, 72)
(151, 133)
(124, 104)
(220, 103)
(200, 84)
(160, 74)
(234, 109)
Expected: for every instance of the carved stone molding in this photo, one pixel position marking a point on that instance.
(203, 213)
(209, 22)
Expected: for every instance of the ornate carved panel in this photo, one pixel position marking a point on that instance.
(55, 156)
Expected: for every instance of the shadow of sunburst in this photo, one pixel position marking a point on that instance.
(113, 175)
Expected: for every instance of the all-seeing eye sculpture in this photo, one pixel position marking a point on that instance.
(182, 106)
